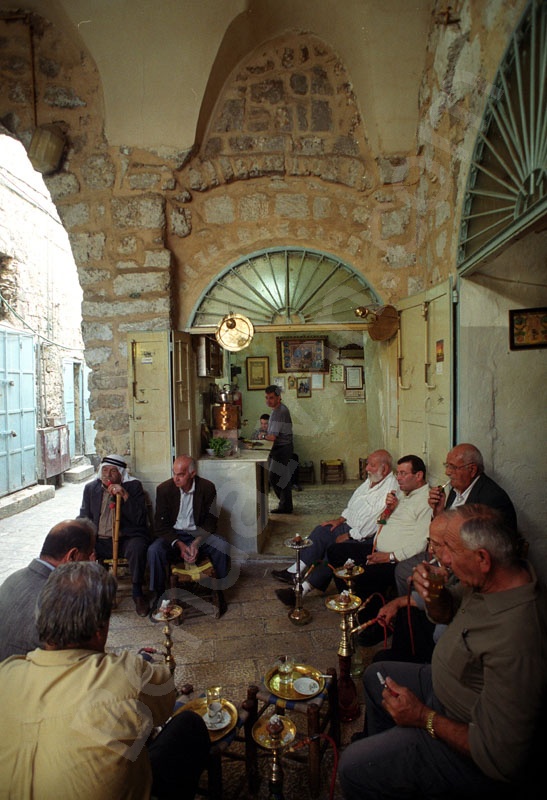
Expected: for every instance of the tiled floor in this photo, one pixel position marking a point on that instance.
(237, 649)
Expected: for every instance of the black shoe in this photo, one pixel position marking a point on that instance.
(284, 576)
(280, 511)
(141, 606)
(297, 488)
(287, 596)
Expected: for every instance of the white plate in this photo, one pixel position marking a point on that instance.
(306, 686)
(222, 722)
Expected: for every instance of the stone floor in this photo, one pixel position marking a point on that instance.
(237, 649)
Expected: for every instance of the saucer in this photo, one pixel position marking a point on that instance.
(219, 724)
(307, 686)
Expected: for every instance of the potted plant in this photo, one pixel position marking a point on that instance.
(220, 446)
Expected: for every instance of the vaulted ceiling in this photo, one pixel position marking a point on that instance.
(163, 64)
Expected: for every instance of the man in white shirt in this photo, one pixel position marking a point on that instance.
(357, 523)
(468, 484)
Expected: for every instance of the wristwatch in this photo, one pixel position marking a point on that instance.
(392, 559)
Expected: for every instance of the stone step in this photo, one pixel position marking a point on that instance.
(80, 472)
(26, 498)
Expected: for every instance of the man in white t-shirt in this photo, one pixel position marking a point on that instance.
(358, 522)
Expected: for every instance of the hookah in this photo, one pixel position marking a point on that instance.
(274, 734)
(299, 615)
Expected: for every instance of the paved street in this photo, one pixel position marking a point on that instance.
(22, 535)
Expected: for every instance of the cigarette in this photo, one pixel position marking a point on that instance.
(386, 687)
(445, 484)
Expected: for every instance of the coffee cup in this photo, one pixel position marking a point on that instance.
(214, 713)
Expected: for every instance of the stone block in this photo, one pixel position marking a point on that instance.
(219, 210)
(294, 206)
(180, 220)
(321, 116)
(157, 258)
(87, 246)
(143, 212)
(81, 472)
(98, 172)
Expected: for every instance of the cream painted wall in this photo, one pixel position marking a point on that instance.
(324, 426)
(501, 404)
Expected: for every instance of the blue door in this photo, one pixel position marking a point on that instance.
(17, 411)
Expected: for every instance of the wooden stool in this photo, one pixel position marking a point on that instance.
(322, 718)
(332, 471)
(198, 596)
(306, 472)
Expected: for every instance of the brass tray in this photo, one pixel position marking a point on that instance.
(288, 692)
(199, 705)
(262, 736)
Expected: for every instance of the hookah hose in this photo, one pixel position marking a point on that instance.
(330, 740)
(380, 620)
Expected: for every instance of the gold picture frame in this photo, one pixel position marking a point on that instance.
(296, 354)
(258, 373)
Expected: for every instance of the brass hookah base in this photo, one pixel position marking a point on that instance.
(346, 604)
(274, 734)
(172, 613)
(298, 615)
(348, 573)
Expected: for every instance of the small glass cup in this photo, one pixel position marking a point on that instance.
(436, 577)
(212, 694)
(285, 666)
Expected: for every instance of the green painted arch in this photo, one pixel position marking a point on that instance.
(506, 188)
(285, 286)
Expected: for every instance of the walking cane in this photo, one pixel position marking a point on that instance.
(116, 535)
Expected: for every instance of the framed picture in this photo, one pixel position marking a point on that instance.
(353, 377)
(527, 328)
(303, 386)
(258, 372)
(317, 380)
(292, 382)
(279, 380)
(337, 373)
(302, 355)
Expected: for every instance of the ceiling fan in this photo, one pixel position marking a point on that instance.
(234, 332)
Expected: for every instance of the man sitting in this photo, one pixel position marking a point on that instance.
(358, 522)
(70, 540)
(185, 526)
(76, 720)
(468, 484)
(468, 725)
(99, 505)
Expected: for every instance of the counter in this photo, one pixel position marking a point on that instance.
(242, 496)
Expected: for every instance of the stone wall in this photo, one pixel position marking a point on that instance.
(284, 160)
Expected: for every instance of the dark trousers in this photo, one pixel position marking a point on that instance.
(178, 756)
(133, 548)
(281, 466)
(406, 763)
(161, 554)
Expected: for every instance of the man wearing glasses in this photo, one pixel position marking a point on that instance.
(468, 484)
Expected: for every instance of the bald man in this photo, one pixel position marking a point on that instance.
(70, 540)
(185, 526)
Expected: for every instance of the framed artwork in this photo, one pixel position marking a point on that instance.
(292, 382)
(258, 373)
(317, 380)
(353, 377)
(337, 373)
(302, 355)
(279, 380)
(527, 328)
(303, 386)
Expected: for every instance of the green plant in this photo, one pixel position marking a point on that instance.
(220, 446)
